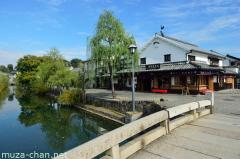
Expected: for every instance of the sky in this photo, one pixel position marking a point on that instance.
(35, 26)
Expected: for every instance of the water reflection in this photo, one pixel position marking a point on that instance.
(3, 96)
(61, 128)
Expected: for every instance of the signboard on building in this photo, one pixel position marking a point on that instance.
(152, 66)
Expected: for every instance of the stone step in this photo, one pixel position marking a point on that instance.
(106, 113)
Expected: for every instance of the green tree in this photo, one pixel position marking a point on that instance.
(75, 62)
(63, 78)
(54, 73)
(52, 63)
(10, 67)
(27, 68)
(3, 68)
(28, 63)
(110, 43)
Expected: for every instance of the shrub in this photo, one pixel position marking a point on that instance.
(3, 82)
(71, 97)
(38, 87)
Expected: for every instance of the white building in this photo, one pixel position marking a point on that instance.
(164, 49)
(168, 64)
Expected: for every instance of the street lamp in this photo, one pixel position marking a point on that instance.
(133, 49)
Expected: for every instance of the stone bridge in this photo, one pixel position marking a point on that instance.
(184, 131)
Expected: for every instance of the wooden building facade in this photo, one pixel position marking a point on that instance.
(171, 65)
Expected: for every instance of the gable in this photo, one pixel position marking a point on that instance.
(155, 50)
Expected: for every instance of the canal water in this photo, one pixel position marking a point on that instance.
(34, 124)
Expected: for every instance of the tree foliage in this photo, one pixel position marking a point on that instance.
(75, 62)
(28, 63)
(3, 69)
(3, 82)
(10, 67)
(49, 73)
(27, 68)
(71, 97)
(110, 44)
(53, 73)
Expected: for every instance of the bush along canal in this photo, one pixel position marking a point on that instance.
(39, 125)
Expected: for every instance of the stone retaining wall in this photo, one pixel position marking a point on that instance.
(147, 107)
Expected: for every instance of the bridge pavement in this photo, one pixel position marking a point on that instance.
(214, 136)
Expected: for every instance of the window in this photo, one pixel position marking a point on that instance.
(232, 63)
(156, 44)
(143, 60)
(167, 58)
(213, 61)
(202, 80)
(191, 58)
(191, 80)
(176, 81)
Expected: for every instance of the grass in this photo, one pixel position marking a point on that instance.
(3, 81)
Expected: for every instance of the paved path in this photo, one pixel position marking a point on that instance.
(170, 100)
(214, 136)
(226, 101)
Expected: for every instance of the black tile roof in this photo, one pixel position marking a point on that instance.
(176, 66)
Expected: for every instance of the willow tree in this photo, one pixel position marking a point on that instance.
(110, 44)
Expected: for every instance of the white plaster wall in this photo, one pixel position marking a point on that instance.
(200, 57)
(204, 58)
(226, 62)
(220, 63)
(156, 54)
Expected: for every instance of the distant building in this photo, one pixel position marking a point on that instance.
(231, 61)
(232, 64)
(90, 73)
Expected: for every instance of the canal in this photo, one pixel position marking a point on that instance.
(34, 124)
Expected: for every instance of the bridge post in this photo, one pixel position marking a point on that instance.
(194, 113)
(212, 103)
(166, 125)
(210, 95)
(114, 152)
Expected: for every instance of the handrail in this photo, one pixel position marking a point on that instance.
(164, 121)
(105, 142)
(175, 111)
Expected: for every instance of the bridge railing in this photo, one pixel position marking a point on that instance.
(186, 113)
(128, 139)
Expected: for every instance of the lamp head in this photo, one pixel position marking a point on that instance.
(132, 48)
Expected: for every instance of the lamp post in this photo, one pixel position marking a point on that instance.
(133, 49)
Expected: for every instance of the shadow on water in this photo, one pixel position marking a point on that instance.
(58, 128)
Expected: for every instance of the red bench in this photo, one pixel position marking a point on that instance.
(159, 90)
(204, 91)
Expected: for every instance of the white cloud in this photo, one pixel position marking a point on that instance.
(82, 33)
(70, 53)
(200, 21)
(53, 3)
(11, 57)
(215, 30)
(195, 7)
(229, 50)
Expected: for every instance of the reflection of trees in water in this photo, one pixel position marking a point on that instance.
(54, 122)
(3, 96)
(61, 125)
(10, 97)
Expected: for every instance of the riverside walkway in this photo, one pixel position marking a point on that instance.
(214, 136)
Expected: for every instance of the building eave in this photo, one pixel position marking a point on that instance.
(207, 53)
(233, 57)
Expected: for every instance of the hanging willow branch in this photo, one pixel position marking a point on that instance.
(109, 44)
